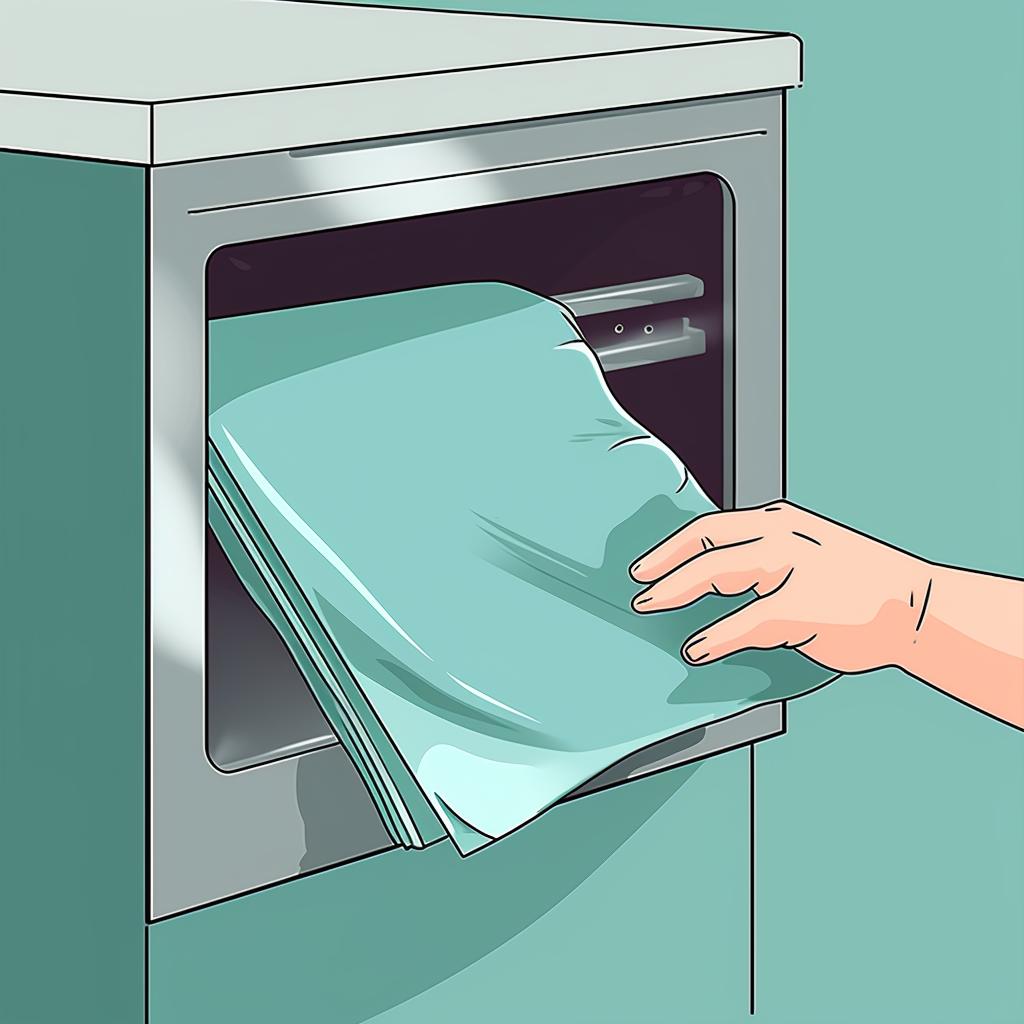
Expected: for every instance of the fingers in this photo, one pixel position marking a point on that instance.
(724, 571)
(714, 530)
(755, 625)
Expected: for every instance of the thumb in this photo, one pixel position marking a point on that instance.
(754, 625)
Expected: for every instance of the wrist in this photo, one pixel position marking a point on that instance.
(908, 644)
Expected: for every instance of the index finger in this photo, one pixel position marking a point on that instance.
(711, 530)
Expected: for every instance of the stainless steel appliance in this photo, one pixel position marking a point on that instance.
(660, 227)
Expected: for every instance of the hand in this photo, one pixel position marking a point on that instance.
(848, 602)
(844, 600)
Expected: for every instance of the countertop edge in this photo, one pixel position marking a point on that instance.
(159, 133)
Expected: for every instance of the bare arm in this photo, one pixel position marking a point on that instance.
(846, 601)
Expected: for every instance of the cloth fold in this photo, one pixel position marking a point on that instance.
(435, 499)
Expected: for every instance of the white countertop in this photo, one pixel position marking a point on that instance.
(176, 80)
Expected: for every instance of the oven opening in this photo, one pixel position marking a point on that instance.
(646, 269)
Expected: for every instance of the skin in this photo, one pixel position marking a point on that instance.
(844, 600)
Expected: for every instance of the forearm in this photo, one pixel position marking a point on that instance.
(967, 639)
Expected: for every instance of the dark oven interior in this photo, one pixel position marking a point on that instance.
(608, 239)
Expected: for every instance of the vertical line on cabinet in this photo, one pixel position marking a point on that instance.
(752, 922)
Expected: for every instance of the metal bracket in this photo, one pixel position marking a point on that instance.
(648, 330)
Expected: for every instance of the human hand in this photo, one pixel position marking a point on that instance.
(846, 601)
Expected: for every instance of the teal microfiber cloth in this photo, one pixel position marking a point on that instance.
(435, 499)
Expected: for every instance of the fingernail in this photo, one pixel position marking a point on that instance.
(641, 599)
(696, 650)
(636, 567)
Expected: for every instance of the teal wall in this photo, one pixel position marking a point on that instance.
(72, 599)
(890, 830)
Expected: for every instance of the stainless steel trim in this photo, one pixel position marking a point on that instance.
(689, 341)
(469, 172)
(729, 362)
(328, 739)
(632, 295)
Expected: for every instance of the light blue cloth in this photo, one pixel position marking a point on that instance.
(436, 490)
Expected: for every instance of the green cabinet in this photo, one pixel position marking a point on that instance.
(72, 590)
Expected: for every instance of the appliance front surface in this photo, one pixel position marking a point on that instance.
(690, 189)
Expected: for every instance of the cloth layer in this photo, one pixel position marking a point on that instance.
(435, 499)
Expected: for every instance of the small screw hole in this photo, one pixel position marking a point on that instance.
(648, 329)
(619, 328)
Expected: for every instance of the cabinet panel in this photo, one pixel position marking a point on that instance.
(628, 904)
(72, 590)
